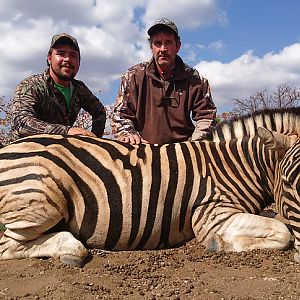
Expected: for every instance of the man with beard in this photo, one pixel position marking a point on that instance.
(163, 100)
(50, 102)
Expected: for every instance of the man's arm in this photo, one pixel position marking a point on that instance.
(24, 116)
(123, 115)
(204, 111)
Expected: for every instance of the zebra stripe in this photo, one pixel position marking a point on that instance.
(152, 202)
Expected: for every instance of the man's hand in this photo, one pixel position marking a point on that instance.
(134, 139)
(80, 131)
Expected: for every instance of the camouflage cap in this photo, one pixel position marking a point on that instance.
(162, 23)
(59, 36)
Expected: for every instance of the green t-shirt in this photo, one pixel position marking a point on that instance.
(66, 91)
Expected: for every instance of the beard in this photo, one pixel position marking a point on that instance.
(61, 75)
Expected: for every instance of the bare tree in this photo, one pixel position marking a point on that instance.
(283, 96)
(84, 120)
(5, 121)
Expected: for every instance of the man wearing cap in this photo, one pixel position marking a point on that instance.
(50, 102)
(163, 100)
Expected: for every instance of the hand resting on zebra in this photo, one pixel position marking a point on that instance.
(115, 196)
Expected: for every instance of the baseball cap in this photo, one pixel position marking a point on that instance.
(162, 23)
(60, 36)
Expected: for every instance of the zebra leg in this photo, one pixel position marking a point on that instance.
(297, 254)
(61, 245)
(295, 227)
(243, 232)
(27, 219)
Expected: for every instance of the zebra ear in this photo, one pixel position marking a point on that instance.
(276, 141)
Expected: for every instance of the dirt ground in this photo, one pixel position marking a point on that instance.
(188, 272)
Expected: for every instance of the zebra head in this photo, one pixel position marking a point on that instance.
(287, 178)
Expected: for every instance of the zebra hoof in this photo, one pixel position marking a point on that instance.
(297, 257)
(72, 260)
(215, 244)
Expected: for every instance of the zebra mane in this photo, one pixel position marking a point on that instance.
(283, 120)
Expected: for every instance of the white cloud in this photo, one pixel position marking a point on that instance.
(217, 46)
(109, 41)
(248, 74)
(111, 34)
(185, 13)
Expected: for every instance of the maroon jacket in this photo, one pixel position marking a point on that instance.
(163, 111)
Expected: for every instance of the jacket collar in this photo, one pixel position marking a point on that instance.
(180, 70)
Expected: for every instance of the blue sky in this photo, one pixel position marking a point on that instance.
(241, 46)
(261, 25)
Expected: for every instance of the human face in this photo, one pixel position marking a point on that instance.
(164, 48)
(64, 64)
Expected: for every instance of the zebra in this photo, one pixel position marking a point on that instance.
(61, 195)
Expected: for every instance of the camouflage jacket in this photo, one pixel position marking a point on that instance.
(163, 111)
(38, 107)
